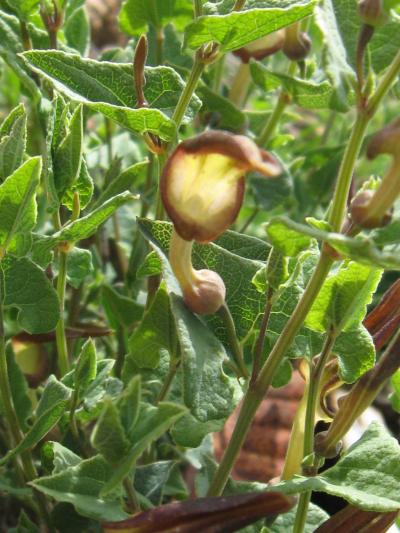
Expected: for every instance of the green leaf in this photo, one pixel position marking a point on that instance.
(12, 141)
(136, 16)
(190, 432)
(56, 458)
(11, 45)
(239, 28)
(156, 331)
(108, 88)
(284, 304)
(289, 242)
(367, 475)
(208, 391)
(83, 227)
(152, 423)
(24, 8)
(123, 182)
(385, 41)
(79, 266)
(129, 405)
(361, 249)
(17, 201)
(151, 479)
(305, 93)
(68, 155)
(272, 193)
(29, 290)
(109, 436)
(83, 186)
(342, 301)
(77, 31)
(395, 396)
(356, 353)
(120, 310)
(19, 389)
(81, 485)
(50, 409)
(86, 366)
(229, 117)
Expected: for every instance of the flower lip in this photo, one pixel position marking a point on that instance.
(202, 185)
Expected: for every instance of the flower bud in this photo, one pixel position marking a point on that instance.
(202, 185)
(360, 214)
(372, 12)
(297, 44)
(263, 47)
(371, 211)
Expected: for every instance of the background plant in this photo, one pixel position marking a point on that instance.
(110, 386)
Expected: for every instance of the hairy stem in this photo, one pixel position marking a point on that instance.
(258, 388)
(339, 202)
(61, 340)
(308, 446)
(280, 106)
(187, 92)
(198, 8)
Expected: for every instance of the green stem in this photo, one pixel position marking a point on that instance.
(240, 86)
(312, 401)
(133, 503)
(173, 367)
(385, 84)
(259, 349)
(234, 344)
(301, 513)
(239, 4)
(346, 170)
(217, 74)
(198, 8)
(26, 39)
(187, 92)
(273, 120)
(250, 404)
(61, 340)
(258, 388)
(280, 106)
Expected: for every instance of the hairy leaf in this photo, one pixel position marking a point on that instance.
(239, 28)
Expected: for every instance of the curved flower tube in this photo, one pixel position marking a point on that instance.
(263, 47)
(202, 188)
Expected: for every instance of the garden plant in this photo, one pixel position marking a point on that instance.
(188, 217)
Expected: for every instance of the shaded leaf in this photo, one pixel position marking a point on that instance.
(29, 290)
(12, 141)
(155, 331)
(81, 485)
(109, 436)
(152, 423)
(50, 409)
